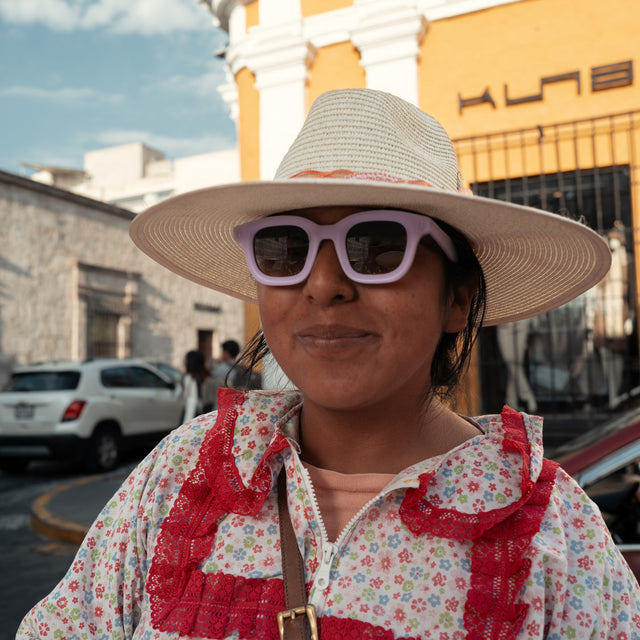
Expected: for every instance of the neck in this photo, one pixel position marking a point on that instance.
(379, 439)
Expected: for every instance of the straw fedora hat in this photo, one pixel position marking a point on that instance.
(369, 148)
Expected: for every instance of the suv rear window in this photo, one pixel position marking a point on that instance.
(44, 381)
(132, 377)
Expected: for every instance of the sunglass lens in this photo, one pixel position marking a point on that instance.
(376, 247)
(281, 251)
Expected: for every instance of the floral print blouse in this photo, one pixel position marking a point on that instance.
(487, 541)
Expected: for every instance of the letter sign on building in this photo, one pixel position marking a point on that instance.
(608, 76)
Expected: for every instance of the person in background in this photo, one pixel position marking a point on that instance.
(373, 272)
(230, 351)
(199, 388)
(234, 373)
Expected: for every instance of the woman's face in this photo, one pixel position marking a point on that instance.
(349, 346)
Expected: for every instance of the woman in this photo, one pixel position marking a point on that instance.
(199, 389)
(410, 521)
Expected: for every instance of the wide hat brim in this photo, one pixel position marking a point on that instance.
(532, 261)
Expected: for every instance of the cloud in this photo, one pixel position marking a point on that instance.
(67, 96)
(205, 85)
(146, 17)
(172, 147)
(56, 14)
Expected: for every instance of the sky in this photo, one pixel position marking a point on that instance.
(80, 75)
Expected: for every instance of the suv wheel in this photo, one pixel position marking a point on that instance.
(104, 449)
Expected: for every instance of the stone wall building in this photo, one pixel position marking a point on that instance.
(73, 285)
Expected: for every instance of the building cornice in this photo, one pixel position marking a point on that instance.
(384, 37)
(366, 23)
(14, 180)
(274, 53)
(432, 9)
(341, 25)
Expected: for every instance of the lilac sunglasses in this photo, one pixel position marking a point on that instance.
(373, 247)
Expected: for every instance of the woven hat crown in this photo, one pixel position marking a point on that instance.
(372, 132)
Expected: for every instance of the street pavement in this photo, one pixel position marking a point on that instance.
(67, 511)
(44, 515)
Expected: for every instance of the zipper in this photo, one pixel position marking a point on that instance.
(357, 517)
(314, 500)
(330, 550)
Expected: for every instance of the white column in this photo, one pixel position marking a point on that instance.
(280, 59)
(388, 36)
(236, 26)
(229, 94)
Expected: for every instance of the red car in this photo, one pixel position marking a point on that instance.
(605, 463)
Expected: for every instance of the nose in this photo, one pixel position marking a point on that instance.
(327, 282)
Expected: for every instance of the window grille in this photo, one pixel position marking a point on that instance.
(102, 335)
(576, 365)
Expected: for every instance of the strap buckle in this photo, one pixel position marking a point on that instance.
(307, 610)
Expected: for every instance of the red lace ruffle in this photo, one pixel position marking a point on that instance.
(330, 628)
(183, 597)
(217, 605)
(422, 516)
(499, 565)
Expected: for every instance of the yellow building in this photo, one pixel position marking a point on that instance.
(541, 99)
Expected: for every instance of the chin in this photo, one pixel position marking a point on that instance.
(342, 397)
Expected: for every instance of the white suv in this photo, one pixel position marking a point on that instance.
(85, 410)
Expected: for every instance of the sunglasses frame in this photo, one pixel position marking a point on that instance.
(416, 227)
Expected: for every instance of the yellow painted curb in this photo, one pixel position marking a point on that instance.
(43, 521)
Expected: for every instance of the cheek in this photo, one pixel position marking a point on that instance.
(266, 306)
(412, 321)
(274, 304)
(424, 300)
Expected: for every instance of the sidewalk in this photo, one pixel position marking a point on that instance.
(67, 512)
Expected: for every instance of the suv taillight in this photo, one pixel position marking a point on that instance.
(73, 411)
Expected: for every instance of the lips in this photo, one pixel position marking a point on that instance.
(334, 339)
(333, 332)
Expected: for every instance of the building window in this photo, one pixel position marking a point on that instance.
(102, 335)
(577, 364)
(105, 311)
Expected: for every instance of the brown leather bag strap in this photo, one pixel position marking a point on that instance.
(291, 623)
